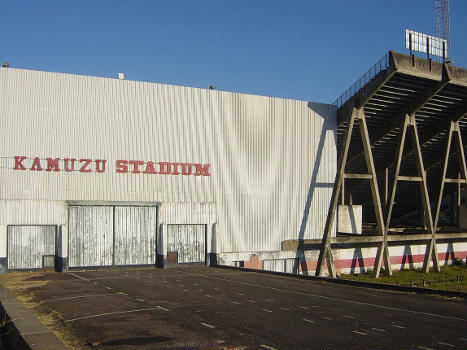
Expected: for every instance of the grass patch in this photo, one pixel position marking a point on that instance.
(20, 284)
(452, 277)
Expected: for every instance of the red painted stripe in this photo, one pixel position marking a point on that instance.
(358, 262)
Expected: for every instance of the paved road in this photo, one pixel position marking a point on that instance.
(212, 308)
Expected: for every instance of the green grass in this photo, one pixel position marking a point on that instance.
(452, 277)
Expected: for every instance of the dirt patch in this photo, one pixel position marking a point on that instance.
(21, 284)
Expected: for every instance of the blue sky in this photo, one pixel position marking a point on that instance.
(308, 50)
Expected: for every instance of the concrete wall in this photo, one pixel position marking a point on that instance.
(349, 261)
(349, 218)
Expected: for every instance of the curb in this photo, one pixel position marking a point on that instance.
(373, 285)
(20, 329)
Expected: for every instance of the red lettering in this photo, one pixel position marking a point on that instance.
(52, 164)
(122, 166)
(175, 171)
(18, 163)
(85, 164)
(150, 168)
(36, 164)
(187, 168)
(136, 164)
(98, 168)
(166, 168)
(66, 160)
(202, 170)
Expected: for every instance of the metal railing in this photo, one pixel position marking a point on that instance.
(382, 64)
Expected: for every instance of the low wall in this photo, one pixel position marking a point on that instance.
(346, 260)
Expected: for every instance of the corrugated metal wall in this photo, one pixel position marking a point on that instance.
(273, 160)
(90, 232)
(28, 244)
(188, 242)
(112, 235)
(135, 235)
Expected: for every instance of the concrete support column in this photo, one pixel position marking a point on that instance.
(3, 249)
(61, 258)
(161, 247)
(211, 255)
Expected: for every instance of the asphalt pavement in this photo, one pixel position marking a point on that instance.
(194, 307)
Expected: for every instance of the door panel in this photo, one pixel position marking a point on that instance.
(90, 230)
(186, 243)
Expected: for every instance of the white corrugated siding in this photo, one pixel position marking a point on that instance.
(263, 151)
(188, 241)
(135, 235)
(28, 244)
(90, 232)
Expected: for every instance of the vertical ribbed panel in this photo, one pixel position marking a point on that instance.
(188, 213)
(188, 241)
(28, 244)
(32, 212)
(273, 160)
(90, 232)
(135, 235)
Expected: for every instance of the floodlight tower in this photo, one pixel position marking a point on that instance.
(442, 23)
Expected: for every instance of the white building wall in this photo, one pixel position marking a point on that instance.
(272, 161)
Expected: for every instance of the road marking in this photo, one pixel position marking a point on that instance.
(447, 344)
(397, 326)
(235, 302)
(122, 293)
(347, 316)
(379, 330)
(424, 348)
(207, 325)
(141, 300)
(79, 297)
(162, 308)
(251, 301)
(110, 313)
(267, 347)
(336, 299)
(284, 308)
(240, 294)
(108, 287)
(216, 288)
(266, 310)
(307, 320)
(208, 296)
(361, 333)
(303, 307)
(270, 300)
(82, 278)
(327, 318)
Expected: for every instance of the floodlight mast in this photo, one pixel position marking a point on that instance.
(442, 24)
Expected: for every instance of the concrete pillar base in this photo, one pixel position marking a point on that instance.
(61, 264)
(3, 265)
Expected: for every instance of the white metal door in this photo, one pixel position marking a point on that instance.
(135, 235)
(31, 247)
(187, 242)
(90, 230)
